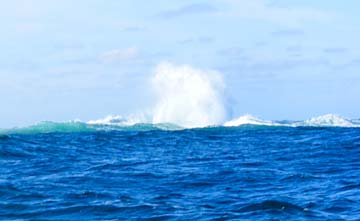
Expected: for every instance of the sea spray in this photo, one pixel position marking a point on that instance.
(187, 96)
(183, 96)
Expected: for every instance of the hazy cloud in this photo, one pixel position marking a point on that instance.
(199, 8)
(261, 43)
(233, 51)
(295, 51)
(120, 55)
(275, 65)
(203, 39)
(355, 63)
(133, 29)
(265, 11)
(335, 50)
(295, 48)
(288, 33)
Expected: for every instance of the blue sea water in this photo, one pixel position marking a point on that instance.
(146, 173)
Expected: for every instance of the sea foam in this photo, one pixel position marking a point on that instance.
(329, 120)
(251, 120)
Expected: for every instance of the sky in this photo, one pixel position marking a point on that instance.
(86, 59)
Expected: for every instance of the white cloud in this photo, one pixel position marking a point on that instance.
(263, 10)
(116, 55)
(199, 8)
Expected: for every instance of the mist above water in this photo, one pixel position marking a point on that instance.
(188, 96)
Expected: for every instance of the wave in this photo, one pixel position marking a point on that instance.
(249, 120)
(107, 124)
(328, 120)
(185, 98)
(117, 123)
(119, 120)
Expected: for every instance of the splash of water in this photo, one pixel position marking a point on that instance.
(187, 96)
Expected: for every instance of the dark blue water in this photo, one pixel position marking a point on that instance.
(245, 173)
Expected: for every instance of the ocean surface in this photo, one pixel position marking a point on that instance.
(259, 171)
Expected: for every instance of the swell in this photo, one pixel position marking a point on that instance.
(81, 127)
(115, 124)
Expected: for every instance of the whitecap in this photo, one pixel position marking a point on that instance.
(249, 120)
(328, 120)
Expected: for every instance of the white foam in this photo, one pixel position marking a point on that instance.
(248, 119)
(119, 120)
(328, 120)
(187, 96)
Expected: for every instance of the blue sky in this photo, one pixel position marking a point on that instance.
(85, 59)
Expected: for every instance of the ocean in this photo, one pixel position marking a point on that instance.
(245, 170)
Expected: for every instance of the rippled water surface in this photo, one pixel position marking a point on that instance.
(243, 173)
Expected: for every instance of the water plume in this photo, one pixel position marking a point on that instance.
(188, 96)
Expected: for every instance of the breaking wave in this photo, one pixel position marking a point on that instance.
(185, 98)
(249, 120)
(117, 123)
(328, 120)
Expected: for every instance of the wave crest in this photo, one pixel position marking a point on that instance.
(329, 120)
(82, 127)
(119, 120)
(249, 120)
(117, 123)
